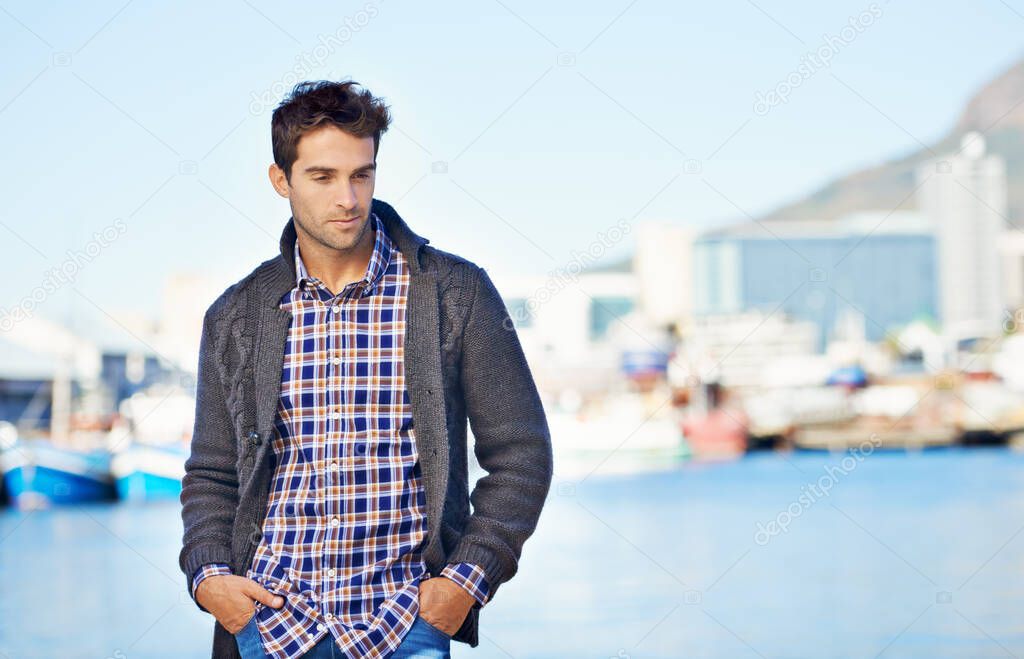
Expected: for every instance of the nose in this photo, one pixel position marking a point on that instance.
(346, 197)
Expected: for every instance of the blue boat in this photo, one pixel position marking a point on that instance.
(38, 474)
(155, 429)
(641, 362)
(849, 376)
(146, 472)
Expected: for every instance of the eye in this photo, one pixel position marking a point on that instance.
(362, 176)
(321, 179)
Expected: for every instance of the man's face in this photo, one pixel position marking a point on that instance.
(332, 181)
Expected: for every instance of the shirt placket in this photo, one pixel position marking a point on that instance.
(338, 396)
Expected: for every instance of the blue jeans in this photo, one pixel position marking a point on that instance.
(423, 641)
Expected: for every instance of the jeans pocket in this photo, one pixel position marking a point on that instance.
(250, 645)
(245, 628)
(436, 630)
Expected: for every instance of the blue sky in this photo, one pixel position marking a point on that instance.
(555, 121)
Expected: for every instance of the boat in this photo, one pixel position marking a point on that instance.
(719, 434)
(989, 412)
(902, 414)
(8, 435)
(38, 474)
(774, 413)
(145, 473)
(870, 434)
(70, 462)
(715, 429)
(150, 441)
(620, 433)
(852, 377)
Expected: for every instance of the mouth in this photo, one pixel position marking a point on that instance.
(344, 222)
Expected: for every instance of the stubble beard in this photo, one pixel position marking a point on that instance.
(322, 234)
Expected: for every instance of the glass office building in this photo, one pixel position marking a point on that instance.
(881, 266)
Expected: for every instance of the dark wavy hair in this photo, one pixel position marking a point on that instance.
(313, 103)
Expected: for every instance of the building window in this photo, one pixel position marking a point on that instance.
(606, 310)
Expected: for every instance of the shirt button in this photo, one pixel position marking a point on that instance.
(336, 361)
(335, 466)
(320, 627)
(332, 572)
(335, 521)
(336, 309)
(329, 617)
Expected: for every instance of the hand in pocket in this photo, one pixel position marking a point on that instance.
(231, 599)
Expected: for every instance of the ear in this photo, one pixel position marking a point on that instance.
(279, 180)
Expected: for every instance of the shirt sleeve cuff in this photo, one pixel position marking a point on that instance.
(471, 577)
(207, 571)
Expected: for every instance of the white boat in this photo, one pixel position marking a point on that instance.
(623, 433)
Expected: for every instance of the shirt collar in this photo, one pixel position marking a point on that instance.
(375, 269)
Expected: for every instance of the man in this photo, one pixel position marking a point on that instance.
(325, 502)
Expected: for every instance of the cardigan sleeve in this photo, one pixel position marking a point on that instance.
(209, 492)
(512, 440)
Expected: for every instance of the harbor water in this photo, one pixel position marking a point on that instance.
(893, 554)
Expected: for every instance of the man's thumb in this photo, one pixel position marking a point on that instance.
(261, 594)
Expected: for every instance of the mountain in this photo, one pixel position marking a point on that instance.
(996, 110)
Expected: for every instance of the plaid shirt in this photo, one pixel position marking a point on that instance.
(346, 514)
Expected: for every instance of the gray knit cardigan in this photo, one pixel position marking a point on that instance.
(463, 360)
